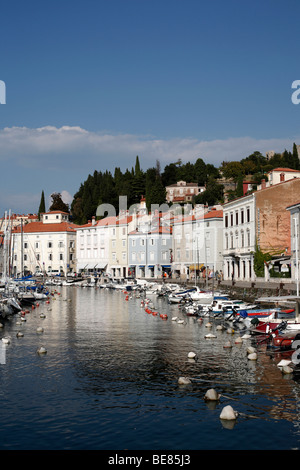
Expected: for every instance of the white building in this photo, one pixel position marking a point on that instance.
(239, 238)
(197, 243)
(45, 246)
(295, 242)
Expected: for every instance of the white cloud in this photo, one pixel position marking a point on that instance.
(45, 147)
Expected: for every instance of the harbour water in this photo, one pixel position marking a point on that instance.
(109, 381)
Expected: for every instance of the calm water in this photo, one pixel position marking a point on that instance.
(109, 381)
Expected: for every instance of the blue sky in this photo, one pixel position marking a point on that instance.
(90, 85)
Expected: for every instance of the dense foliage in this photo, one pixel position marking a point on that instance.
(105, 187)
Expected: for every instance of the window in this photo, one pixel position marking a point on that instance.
(242, 239)
(236, 218)
(226, 241)
(231, 219)
(49, 244)
(50, 257)
(25, 257)
(61, 256)
(36, 244)
(133, 242)
(151, 255)
(124, 243)
(226, 220)
(25, 245)
(114, 256)
(133, 256)
(242, 216)
(248, 214)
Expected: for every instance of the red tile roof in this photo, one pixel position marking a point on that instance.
(36, 227)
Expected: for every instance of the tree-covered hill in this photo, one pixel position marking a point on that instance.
(105, 187)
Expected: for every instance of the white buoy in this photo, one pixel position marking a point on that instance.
(211, 395)
(39, 329)
(287, 370)
(42, 315)
(41, 350)
(1, 325)
(23, 319)
(174, 318)
(184, 381)
(227, 345)
(252, 356)
(238, 340)
(251, 350)
(230, 331)
(192, 355)
(208, 325)
(180, 322)
(6, 340)
(245, 336)
(209, 336)
(19, 334)
(219, 327)
(228, 413)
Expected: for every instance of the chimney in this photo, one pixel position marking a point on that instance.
(93, 220)
(263, 184)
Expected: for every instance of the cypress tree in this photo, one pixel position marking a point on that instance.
(42, 207)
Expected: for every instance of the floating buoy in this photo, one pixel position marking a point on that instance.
(228, 413)
(184, 381)
(230, 331)
(6, 340)
(227, 345)
(252, 356)
(251, 350)
(219, 327)
(238, 340)
(23, 319)
(1, 325)
(208, 325)
(39, 329)
(33, 307)
(19, 334)
(174, 318)
(164, 316)
(42, 350)
(287, 370)
(209, 336)
(192, 355)
(42, 315)
(180, 322)
(245, 336)
(211, 395)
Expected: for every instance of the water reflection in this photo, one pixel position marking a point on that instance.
(110, 381)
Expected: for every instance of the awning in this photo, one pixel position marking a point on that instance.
(166, 266)
(142, 266)
(194, 267)
(101, 265)
(150, 266)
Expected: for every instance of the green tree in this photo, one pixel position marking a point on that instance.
(58, 204)
(42, 207)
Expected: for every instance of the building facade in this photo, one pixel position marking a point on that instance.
(47, 246)
(182, 191)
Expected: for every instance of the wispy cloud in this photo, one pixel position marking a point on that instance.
(51, 158)
(33, 147)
